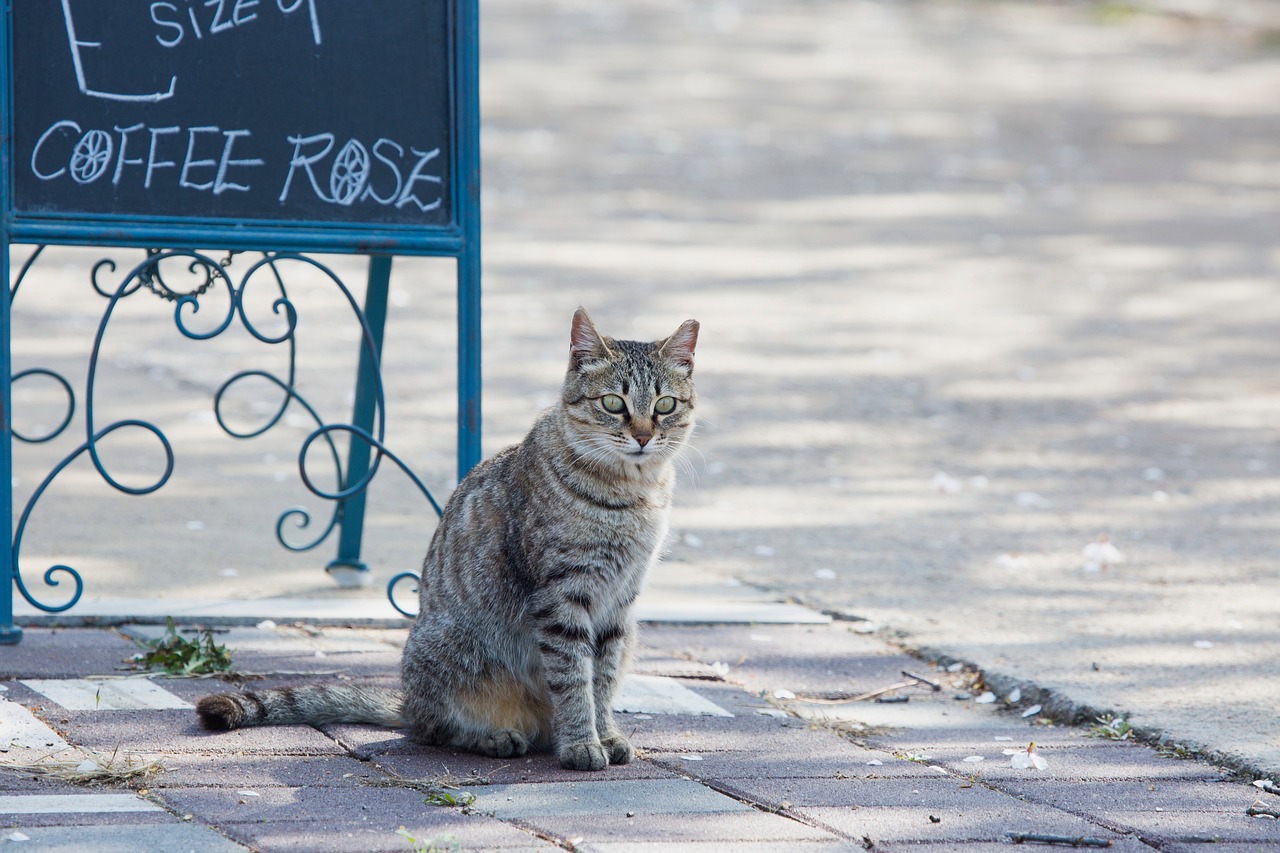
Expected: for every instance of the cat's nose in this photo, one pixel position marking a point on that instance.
(642, 438)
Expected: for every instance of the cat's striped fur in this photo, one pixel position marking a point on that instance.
(524, 625)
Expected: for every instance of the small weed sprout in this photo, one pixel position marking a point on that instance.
(449, 799)
(1111, 727)
(178, 656)
(434, 844)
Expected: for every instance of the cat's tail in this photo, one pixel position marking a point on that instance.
(315, 704)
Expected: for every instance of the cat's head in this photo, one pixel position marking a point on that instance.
(627, 401)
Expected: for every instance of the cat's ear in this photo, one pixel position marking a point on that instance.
(678, 349)
(585, 343)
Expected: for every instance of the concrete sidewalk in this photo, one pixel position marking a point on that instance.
(731, 758)
(978, 283)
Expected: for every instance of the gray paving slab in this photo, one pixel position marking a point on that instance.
(821, 758)
(1138, 795)
(987, 822)
(796, 658)
(180, 731)
(724, 847)
(78, 818)
(428, 763)
(155, 838)
(187, 770)
(377, 807)
(953, 793)
(749, 825)
(1156, 827)
(62, 653)
(588, 797)
(1221, 846)
(447, 832)
(1094, 763)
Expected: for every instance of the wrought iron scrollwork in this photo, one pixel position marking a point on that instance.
(209, 273)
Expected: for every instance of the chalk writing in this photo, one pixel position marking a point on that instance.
(250, 105)
(351, 172)
(77, 62)
(87, 158)
(176, 21)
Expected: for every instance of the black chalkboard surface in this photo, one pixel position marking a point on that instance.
(324, 111)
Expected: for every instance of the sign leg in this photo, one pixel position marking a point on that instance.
(347, 569)
(10, 634)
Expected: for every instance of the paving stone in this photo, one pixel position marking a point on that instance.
(794, 754)
(154, 838)
(280, 640)
(67, 653)
(1095, 763)
(308, 665)
(193, 689)
(798, 658)
(158, 818)
(857, 793)
(376, 807)
(975, 730)
(655, 662)
(14, 780)
(708, 734)
(20, 729)
(668, 611)
(990, 821)
(471, 832)
(539, 767)
(748, 825)
(725, 847)
(649, 694)
(1219, 847)
(117, 694)
(251, 771)
(95, 803)
(641, 796)
(364, 741)
(180, 731)
(1144, 795)
(1163, 827)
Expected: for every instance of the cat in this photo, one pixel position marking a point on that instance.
(524, 625)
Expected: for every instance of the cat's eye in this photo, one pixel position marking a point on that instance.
(665, 405)
(613, 404)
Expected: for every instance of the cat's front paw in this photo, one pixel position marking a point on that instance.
(618, 748)
(505, 743)
(583, 756)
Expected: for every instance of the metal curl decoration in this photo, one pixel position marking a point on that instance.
(210, 272)
(127, 287)
(88, 445)
(352, 488)
(71, 404)
(304, 517)
(391, 592)
(22, 272)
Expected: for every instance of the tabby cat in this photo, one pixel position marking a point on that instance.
(524, 621)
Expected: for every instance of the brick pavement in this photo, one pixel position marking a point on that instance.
(724, 764)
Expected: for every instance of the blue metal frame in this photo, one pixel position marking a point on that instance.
(281, 241)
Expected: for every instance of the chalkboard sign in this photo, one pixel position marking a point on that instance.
(310, 123)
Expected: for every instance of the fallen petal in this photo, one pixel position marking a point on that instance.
(783, 694)
(974, 759)
(986, 698)
(1032, 711)
(1015, 695)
